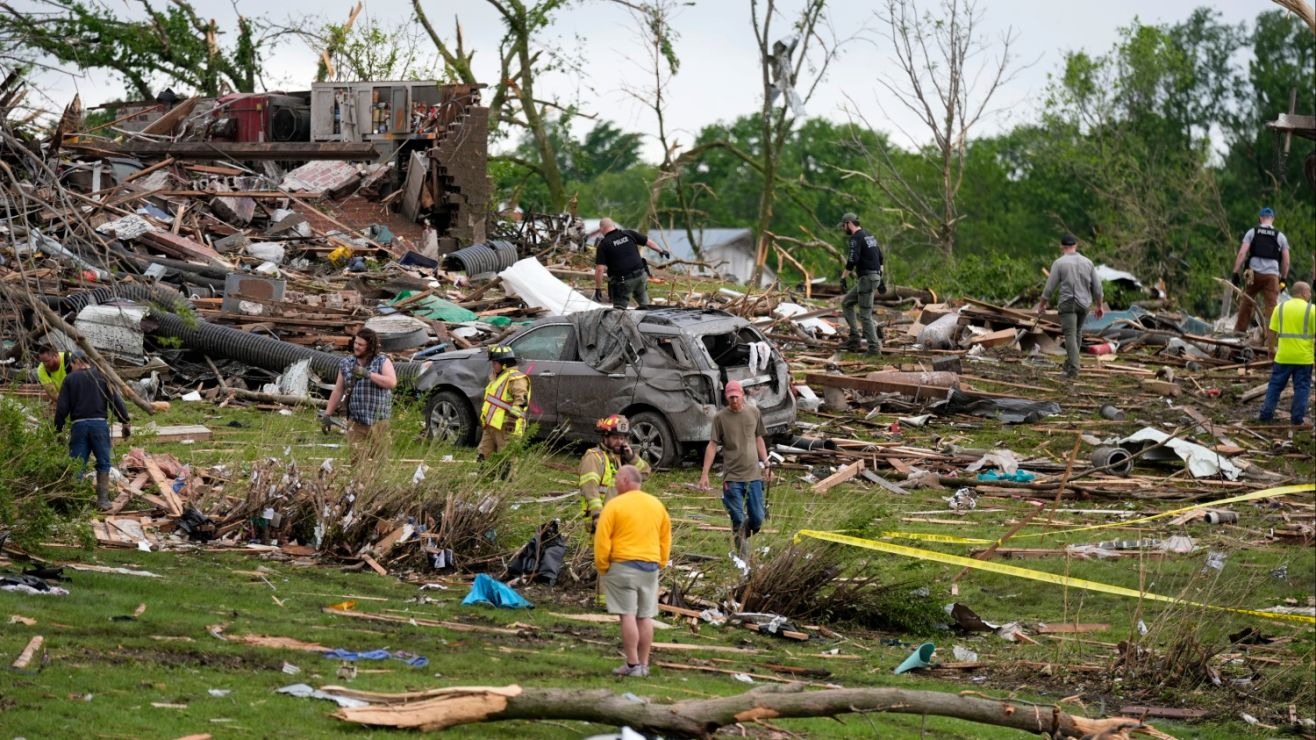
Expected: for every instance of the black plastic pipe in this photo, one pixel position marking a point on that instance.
(254, 349)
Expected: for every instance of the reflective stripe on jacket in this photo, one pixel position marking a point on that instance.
(498, 399)
(1293, 322)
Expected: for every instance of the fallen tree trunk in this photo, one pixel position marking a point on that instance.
(53, 319)
(702, 717)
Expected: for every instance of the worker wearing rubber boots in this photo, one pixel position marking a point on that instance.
(85, 400)
(598, 466)
(506, 399)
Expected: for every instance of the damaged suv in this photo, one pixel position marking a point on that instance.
(664, 368)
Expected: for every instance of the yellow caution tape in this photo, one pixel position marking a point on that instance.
(928, 537)
(1035, 575)
(1253, 496)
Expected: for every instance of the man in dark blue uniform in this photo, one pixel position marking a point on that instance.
(619, 252)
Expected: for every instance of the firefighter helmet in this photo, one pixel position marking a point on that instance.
(502, 353)
(615, 424)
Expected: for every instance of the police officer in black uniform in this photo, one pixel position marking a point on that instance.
(1263, 258)
(619, 252)
(866, 262)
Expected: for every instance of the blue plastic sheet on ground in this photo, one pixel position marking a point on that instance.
(1018, 476)
(411, 659)
(487, 590)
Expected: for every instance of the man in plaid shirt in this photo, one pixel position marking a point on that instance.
(365, 385)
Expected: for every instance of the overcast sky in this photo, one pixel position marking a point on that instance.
(719, 75)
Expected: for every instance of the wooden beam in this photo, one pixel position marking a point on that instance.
(839, 477)
(236, 150)
(28, 653)
(917, 391)
(162, 482)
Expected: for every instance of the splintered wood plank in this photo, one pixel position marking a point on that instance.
(835, 479)
(995, 338)
(28, 653)
(374, 565)
(172, 505)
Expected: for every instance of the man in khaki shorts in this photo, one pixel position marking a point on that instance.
(632, 542)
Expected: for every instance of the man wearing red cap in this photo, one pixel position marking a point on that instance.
(738, 428)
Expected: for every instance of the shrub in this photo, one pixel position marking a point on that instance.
(37, 489)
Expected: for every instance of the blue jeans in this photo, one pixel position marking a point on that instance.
(90, 436)
(739, 495)
(1279, 377)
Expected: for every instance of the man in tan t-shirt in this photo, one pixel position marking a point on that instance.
(738, 428)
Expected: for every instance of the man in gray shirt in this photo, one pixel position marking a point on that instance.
(1079, 288)
(1265, 254)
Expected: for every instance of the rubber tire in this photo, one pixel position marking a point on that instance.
(653, 439)
(457, 416)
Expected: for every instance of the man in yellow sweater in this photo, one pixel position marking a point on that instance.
(632, 542)
(1294, 323)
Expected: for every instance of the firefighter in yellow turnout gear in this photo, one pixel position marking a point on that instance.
(599, 465)
(506, 399)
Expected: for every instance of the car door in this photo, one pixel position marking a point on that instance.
(587, 395)
(539, 354)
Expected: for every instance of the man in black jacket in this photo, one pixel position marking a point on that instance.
(864, 260)
(618, 253)
(85, 397)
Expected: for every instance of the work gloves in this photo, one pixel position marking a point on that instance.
(1237, 280)
(881, 285)
(665, 254)
(845, 285)
(598, 295)
(359, 372)
(325, 423)
(127, 430)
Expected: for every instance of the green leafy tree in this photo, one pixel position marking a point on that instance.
(173, 45)
(524, 54)
(1257, 171)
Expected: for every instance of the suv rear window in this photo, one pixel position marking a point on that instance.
(732, 348)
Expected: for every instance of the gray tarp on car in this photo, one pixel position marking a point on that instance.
(606, 338)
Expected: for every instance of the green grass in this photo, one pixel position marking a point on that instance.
(106, 675)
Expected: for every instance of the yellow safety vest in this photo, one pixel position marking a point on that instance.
(498, 402)
(54, 380)
(1295, 332)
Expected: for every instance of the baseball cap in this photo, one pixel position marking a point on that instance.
(849, 216)
(78, 356)
(734, 388)
(1068, 240)
(1267, 211)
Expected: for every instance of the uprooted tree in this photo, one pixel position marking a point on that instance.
(443, 708)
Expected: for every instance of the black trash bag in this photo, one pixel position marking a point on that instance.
(32, 582)
(540, 560)
(1007, 410)
(197, 526)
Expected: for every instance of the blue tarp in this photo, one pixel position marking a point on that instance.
(491, 592)
(411, 659)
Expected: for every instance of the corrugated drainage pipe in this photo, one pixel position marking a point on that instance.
(480, 258)
(255, 349)
(1118, 458)
(154, 294)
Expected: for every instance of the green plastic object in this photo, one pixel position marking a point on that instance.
(437, 309)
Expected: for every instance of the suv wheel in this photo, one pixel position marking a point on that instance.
(653, 439)
(449, 418)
